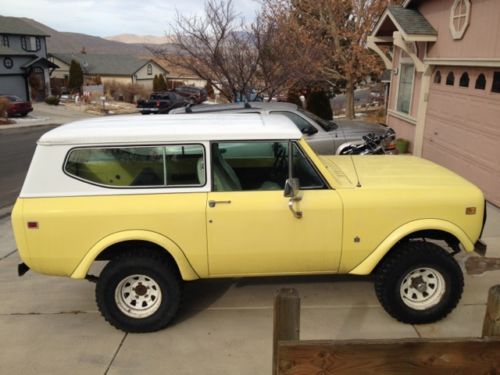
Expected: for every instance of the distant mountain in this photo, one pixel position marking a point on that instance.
(140, 39)
(74, 42)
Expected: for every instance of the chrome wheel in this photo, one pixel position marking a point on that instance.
(422, 288)
(138, 296)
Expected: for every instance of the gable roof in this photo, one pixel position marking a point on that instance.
(411, 21)
(104, 64)
(17, 26)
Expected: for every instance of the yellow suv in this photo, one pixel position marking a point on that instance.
(175, 198)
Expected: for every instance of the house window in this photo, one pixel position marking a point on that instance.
(464, 80)
(437, 77)
(150, 69)
(8, 63)
(459, 18)
(496, 82)
(5, 40)
(31, 43)
(481, 82)
(405, 88)
(450, 79)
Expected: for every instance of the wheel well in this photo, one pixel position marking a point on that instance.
(431, 234)
(116, 249)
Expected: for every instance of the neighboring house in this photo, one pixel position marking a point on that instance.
(24, 68)
(445, 86)
(178, 76)
(120, 68)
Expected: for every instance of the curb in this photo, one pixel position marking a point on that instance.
(5, 211)
(18, 126)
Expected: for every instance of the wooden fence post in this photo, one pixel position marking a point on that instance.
(286, 322)
(491, 326)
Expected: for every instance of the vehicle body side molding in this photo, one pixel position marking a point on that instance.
(370, 262)
(186, 270)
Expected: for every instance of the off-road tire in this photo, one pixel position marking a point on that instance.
(152, 266)
(394, 270)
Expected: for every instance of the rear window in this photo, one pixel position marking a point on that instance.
(152, 166)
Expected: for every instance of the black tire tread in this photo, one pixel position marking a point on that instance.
(416, 251)
(132, 257)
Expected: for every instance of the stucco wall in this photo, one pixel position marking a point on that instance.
(118, 79)
(482, 38)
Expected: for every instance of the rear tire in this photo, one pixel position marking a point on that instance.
(419, 283)
(138, 292)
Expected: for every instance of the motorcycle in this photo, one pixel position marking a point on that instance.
(372, 144)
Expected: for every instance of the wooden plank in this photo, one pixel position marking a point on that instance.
(491, 326)
(474, 356)
(479, 265)
(286, 324)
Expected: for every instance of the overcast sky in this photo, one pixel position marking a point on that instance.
(112, 17)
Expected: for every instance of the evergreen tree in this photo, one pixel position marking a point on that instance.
(75, 76)
(155, 83)
(162, 84)
(319, 104)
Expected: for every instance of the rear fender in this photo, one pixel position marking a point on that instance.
(186, 270)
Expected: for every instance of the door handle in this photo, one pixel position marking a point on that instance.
(297, 214)
(214, 203)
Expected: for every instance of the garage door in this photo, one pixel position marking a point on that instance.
(462, 130)
(13, 85)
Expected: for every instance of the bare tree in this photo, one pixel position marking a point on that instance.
(217, 47)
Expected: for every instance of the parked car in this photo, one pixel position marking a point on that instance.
(325, 137)
(161, 102)
(194, 95)
(168, 199)
(18, 106)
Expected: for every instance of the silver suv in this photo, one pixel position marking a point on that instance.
(325, 137)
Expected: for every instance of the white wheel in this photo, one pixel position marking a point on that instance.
(138, 296)
(422, 288)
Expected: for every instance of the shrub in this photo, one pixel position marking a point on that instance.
(319, 104)
(125, 92)
(52, 100)
(4, 106)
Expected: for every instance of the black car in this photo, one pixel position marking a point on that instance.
(161, 102)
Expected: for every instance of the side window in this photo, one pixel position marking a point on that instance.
(437, 77)
(450, 79)
(244, 166)
(304, 171)
(139, 166)
(240, 166)
(481, 82)
(149, 69)
(496, 82)
(304, 126)
(464, 80)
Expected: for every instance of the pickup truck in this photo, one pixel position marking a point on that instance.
(161, 102)
(169, 199)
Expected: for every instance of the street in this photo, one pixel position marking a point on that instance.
(16, 150)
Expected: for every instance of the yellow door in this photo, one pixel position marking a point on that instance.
(255, 233)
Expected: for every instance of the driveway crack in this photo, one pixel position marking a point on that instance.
(8, 255)
(116, 353)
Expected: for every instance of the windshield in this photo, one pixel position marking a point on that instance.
(325, 124)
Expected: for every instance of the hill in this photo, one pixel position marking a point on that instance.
(74, 42)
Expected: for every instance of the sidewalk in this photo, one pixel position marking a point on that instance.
(44, 114)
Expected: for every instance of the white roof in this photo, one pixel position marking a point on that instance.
(133, 129)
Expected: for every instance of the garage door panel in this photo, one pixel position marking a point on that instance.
(462, 133)
(475, 172)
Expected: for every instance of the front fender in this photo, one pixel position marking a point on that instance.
(186, 270)
(370, 262)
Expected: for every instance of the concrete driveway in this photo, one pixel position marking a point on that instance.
(50, 325)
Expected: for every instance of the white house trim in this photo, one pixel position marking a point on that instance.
(473, 62)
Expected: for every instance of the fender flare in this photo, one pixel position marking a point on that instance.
(370, 262)
(186, 270)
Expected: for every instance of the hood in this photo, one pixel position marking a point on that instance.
(359, 127)
(390, 171)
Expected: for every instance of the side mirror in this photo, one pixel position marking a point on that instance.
(292, 188)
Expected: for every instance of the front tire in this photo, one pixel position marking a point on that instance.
(419, 283)
(138, 292)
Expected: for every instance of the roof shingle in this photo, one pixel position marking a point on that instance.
(16, 26)
(411, 21)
